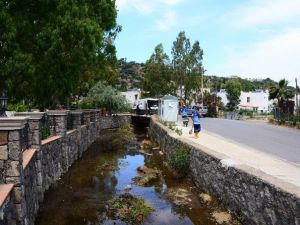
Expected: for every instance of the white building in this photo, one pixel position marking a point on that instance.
(254, 100)
(132, 95)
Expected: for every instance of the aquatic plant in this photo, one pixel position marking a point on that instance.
(180, 161)
(123, 135)
(130, 209)
(148, 175)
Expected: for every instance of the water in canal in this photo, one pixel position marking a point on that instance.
(81, 196)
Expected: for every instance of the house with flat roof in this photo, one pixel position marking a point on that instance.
(257, 100)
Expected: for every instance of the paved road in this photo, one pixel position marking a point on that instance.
(280, 141)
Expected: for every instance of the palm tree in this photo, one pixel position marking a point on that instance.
(281, 92)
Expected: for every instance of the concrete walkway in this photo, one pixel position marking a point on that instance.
(236, 154)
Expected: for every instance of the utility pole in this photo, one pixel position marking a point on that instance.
(297, 103)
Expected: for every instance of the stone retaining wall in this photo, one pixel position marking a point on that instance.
(32, 164)
(240, 188)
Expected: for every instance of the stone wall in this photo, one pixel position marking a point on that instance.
(31, 165)
(243, 190)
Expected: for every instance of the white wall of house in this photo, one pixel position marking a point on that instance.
(254, 100)
(132, 95)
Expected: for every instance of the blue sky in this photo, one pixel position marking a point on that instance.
(250, 38)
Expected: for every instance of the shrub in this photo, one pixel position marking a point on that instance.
(105, 96)
(45, 130)
(180, 161)
(18, 107)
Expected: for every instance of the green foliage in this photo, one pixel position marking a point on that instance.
(172, 126)
(213, 102)
(233, 89)
(131, 74)
(103, 95)
(158, 75)
(180, 161)
(130, 209)
(187, 64)
(123, 135)
(45, 129)
(51, 50)
(281, 92)
(18, 107)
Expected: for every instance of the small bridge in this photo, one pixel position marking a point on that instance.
(141, 120)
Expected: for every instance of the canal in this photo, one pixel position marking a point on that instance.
(82, 195)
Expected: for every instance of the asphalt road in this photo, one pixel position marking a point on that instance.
(279, 141)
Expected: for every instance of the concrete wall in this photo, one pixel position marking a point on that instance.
(31, 165)
(241, 189)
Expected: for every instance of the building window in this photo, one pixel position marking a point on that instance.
(135, 97)
(248, 99)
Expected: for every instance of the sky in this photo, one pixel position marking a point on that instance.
(249, 38)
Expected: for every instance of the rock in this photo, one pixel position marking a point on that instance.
(127, 188)
(146, 144)
(222, 217)
(148, 175)
(179, 196)
(161, 153)
(205, 197)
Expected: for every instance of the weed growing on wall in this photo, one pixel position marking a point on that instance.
(123, 135)
(180, 161)
(172, 126)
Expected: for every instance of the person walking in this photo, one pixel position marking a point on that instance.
(184, 116)
(196, 122)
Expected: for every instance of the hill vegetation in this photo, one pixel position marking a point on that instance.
(131, 75)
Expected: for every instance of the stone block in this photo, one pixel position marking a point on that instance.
(14, 154)
(13, 180)
(13, 169)
(14, 145)
(14, 136)
(3, 137)
(17, 193)
(3, 152)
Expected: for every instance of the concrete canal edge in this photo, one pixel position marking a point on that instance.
(253, 196)
(29, 165)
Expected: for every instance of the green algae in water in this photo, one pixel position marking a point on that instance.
(129, 209)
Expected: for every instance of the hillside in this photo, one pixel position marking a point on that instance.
(131, 74)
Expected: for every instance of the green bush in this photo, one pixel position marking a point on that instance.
(103, 95)
(180, 161)
(18, 107)
(45, 130)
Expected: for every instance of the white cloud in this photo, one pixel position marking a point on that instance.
(168, 20)
(277, 58)
(146, 7)
(265, 12)
(171, 2)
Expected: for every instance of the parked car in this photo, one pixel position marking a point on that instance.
(202, 110)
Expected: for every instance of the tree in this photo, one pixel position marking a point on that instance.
(158, 76)
(281, 92)
(102, 95)
(49, 50)
(187, 64)
(213, 103)
(233, 89)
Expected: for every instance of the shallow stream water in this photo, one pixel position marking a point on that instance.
(81, 196)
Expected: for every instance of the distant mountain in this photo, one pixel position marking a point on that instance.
(131, 75)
